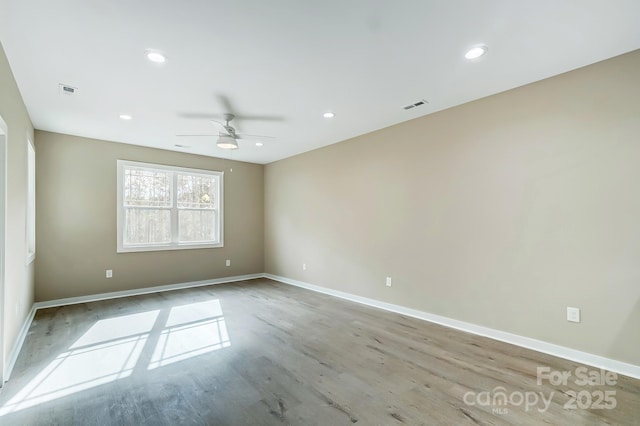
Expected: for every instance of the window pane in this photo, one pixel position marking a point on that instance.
(197, 226)
(196, 191)
(162, 207)
(147, 226)
(150, 188)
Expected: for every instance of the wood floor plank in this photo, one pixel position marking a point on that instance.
(264, 353)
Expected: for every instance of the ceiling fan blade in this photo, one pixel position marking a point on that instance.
(226, 104)
(199, 115)
(217, 118)
(245, 136)
(260, 117)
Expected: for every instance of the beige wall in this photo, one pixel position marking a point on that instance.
(501, 212)
(18, 287)
(76, 221)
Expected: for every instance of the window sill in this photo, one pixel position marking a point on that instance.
(135, 249)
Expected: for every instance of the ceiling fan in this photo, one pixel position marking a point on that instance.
(228, 137)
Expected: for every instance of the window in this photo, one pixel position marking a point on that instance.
(168, 208)
(31, 202)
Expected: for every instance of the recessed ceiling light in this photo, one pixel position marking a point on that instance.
(155, 56)
(476, 52)
(259, 144)
(328, 114)
(126, 116)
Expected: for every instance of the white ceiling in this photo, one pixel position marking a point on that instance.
(288, 59)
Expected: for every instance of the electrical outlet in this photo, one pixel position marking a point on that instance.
(304, 266)
(388, 281)
(573, 314)
(109, 273)
(228, 263)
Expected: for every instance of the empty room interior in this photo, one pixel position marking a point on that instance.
(319, 213)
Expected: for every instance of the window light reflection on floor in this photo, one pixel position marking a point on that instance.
(191, 330)
(111, 350)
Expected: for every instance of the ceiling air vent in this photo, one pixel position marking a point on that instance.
(416, 104)
(65, 89)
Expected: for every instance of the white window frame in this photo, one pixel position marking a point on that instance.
(30, 224)
(174, 244)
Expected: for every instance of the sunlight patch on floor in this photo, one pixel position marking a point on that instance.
(117, 328)
(108, 351)
(191, 330)
(111, 349)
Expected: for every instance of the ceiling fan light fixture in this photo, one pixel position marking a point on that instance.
(227, 142)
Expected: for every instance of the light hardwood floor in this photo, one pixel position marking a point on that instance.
(263, 353)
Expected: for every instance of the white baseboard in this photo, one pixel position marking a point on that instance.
(597, 361)
(13, 355)
(140, 291)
